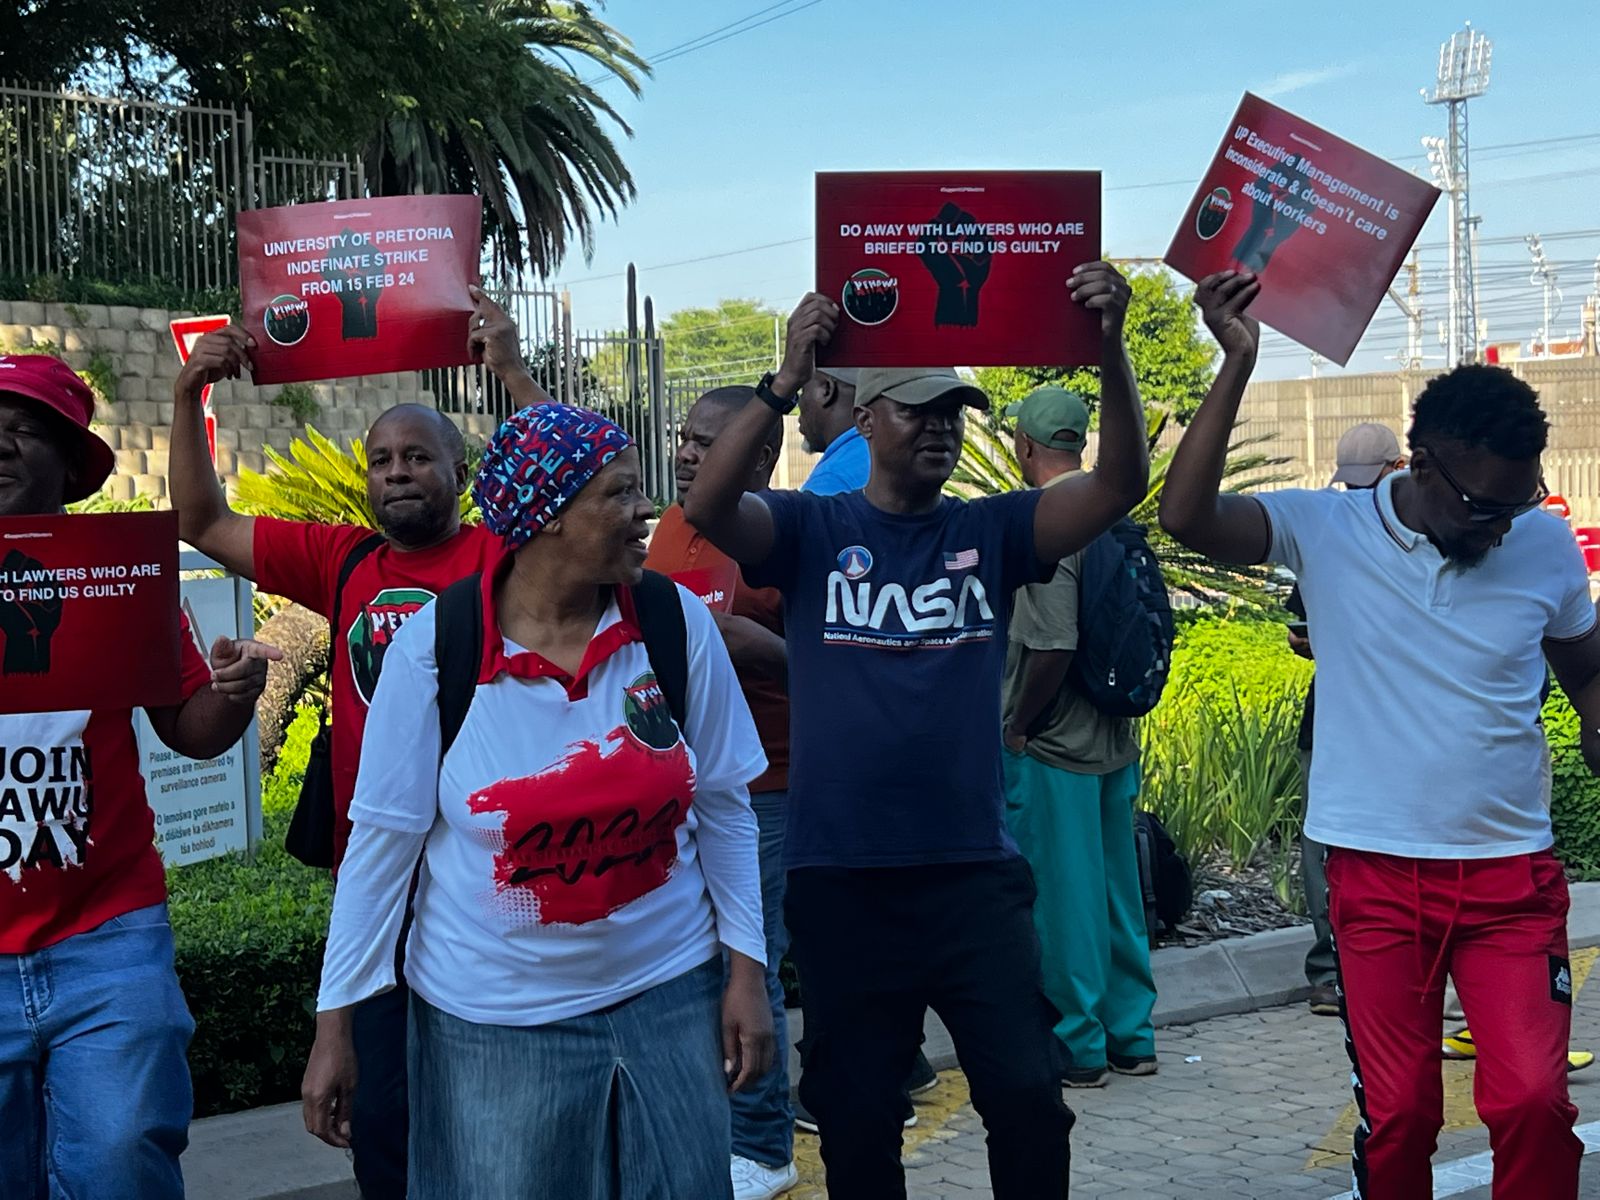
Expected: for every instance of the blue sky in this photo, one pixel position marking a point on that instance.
(726, 138)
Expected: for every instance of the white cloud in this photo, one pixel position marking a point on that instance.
(1294, 81)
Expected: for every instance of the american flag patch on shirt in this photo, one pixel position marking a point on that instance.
(960, 560)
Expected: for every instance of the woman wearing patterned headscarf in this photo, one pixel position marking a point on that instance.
(581, 863)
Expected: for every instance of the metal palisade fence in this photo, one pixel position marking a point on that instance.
(124, 189)
(127, 190)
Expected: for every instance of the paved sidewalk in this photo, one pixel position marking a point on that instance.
(1262, 1112)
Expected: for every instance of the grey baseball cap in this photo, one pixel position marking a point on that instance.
(850, 375)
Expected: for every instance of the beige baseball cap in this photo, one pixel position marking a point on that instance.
(1364, 451)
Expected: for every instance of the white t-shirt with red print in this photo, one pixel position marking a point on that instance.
(77, 837)
(576, 849)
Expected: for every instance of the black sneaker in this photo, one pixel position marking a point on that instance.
(804, 1121)
(1085, 1077)
(923, 1077)
(1133, 1064)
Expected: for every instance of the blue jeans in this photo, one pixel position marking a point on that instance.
(763, 1117)
(628, 1103)
(95, 1098)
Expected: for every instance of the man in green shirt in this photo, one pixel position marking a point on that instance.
(1072, 775)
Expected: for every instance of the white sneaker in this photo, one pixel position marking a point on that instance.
(752, 1181)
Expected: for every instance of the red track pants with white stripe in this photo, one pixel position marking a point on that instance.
(1499, 928)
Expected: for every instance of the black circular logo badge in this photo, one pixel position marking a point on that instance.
(1215, 208)
(288, 319)
(871, 296)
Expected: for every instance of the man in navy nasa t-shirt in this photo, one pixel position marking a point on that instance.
(876, 785)
(905, 891)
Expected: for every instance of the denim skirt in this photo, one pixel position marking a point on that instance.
(628, 1103)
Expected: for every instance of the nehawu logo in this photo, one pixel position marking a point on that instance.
(374, 628)
(46, 792)
(644, 707)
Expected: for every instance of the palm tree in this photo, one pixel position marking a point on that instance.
(533, 142)
(989, 466)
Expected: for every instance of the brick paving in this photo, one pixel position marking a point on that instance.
(1262, 1112)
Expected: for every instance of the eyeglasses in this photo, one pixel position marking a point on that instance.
(1483, 512)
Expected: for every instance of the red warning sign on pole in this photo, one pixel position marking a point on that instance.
(186, 331)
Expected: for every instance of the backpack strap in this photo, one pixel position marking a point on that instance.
(352, 560)
(666, 640)
(457, 653)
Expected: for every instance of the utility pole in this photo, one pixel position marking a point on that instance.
(1544, 276)
(1411, 305)
(1463, 75)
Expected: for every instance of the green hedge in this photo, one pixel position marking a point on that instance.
(1575, 793)
(249, 952)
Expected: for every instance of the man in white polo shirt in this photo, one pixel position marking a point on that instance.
(1434, 600)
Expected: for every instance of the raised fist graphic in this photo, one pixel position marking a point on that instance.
(30, 620)
(960, 276)
(1268, 229)
(358, 299)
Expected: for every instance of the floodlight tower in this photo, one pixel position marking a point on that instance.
(1463, 74)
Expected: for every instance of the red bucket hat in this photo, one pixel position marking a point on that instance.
(52, 383)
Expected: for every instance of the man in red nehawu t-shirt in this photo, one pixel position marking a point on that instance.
(94, 1083)
(416, 472)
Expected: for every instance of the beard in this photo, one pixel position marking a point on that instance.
(418, 527)
(1465, 555)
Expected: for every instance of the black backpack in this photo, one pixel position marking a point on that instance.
(1125, 629)
(310, 835)
(1164, 879)
(458, 647)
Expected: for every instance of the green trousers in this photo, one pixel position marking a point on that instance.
(1077, 833)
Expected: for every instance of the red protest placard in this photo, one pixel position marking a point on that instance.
(88, 611)
(359, 287)
(1324, 223)
(957, 268)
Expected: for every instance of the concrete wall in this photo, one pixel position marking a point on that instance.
(138, 344)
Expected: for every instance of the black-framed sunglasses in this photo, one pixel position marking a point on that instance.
(1481, 511)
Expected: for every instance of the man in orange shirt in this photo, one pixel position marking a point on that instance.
(751, 621)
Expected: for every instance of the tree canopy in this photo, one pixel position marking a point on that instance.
(498, 97)
(734, 338)
(1172, 358)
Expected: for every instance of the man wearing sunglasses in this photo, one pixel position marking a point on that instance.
(1442, 582)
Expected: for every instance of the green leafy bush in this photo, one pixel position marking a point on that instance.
(1575, 793)
(249, 938)
(1220, 763)
(300, 400)
(280, 791)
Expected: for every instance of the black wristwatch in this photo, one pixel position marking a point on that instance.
(782, 405)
